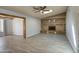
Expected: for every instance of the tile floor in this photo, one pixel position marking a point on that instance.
(40, 43)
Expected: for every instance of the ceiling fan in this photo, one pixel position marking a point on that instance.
(41, 9)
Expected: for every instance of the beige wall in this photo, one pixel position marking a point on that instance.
(33, 26)
(71, 27)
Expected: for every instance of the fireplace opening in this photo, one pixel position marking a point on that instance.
(52, 28)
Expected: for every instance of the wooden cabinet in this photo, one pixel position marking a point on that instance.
(60, 28)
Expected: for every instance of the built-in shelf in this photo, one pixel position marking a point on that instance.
(57, 21)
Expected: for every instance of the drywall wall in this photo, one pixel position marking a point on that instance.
(11, 12)
(78, 31)
(71, 27)
(77, 22)
(33, 26)
(18, 26)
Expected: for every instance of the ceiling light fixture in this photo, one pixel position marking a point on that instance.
(46, 12)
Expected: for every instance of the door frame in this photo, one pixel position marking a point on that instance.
(14, 16)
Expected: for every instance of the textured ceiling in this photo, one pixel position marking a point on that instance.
(28, 10)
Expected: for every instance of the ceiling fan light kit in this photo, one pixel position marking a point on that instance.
(46, 12)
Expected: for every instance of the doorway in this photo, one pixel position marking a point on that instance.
(12, 25)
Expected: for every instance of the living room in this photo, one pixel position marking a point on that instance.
(42, 29)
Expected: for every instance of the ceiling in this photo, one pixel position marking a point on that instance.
(28, 10)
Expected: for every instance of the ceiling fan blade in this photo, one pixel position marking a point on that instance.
(36, 11)
(39, 7)
(46, 10)
(43, 7)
